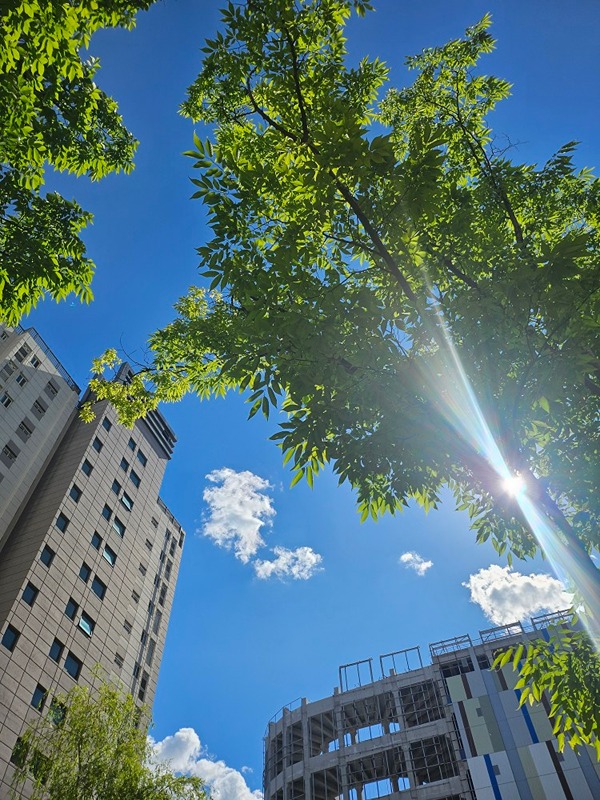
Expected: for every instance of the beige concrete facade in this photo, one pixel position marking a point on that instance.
(90, 557)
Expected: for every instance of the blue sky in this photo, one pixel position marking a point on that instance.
(239, 647)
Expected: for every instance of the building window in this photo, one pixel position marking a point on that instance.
(23, 351)
(30, 592)
(116, 487)
(10, 454)
(142, 458)
(136, 669)
(157, 621)
(162, 595)
(172, 547)
(149, 544)
(51, 389)
(21, 379)
(119, 527)
(135, 596)
(110, 555)
(8, 369)
(85, 572)
(98, 587)
(144, 637)
(86, 623)
(135, 479)
(39, 408)
(168, 569)
(75, 493)
(143, 686)
(106, 424)
(96, 540)
(150, 652)
(56, 650)
(10, 637)
(24, 430)
(119, 660)
(127, 501)
(131, 444)
(5, 399)
(19, 754)
(47, 555)
(35, 362)
(97, 444)
(71, 609)
(106, 512)
(142, 569)
(181, 538)
(124, 464)
(127, 626)
(86, 467)
(73, 665)
(57, 712)
(155, 522)
(39, 697)
(62, 522)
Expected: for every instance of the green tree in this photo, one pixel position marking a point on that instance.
(91, 746)
(423, 308)
(52, 114)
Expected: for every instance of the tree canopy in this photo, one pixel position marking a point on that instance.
(423, 308)
(52, 114)
(90, 745)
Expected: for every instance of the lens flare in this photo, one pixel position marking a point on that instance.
(459, 405)
(514, 485)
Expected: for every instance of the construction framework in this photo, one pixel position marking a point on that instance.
(450, 729)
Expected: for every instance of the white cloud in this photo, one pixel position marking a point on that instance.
(412, 560)
(300, 564)
(238, 508)
(184, 753)
(507, 596)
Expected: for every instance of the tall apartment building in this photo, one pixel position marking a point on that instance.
(89, 553)
(448, 730)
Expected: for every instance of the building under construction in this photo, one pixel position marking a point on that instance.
(449, 729)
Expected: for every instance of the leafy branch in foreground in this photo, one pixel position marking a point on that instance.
(52, 114)
(90, 744)
(566, 667)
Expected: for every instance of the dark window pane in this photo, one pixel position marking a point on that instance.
(106, 424)
(75, 493)
(56, 650)
(62, 522)
(71, 608)
(106, 512)
(47, 555)
(134, 478)
(9, 639)
(39, 697)
(85, 572)
(97, 444)
(30, 592)
(96, 540)
(142, 458)
(98, 587)
(72, 665)
(86, 467)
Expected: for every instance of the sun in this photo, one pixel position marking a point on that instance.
(514, 485)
